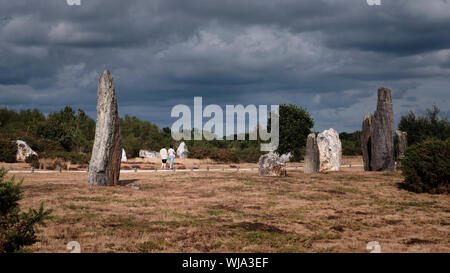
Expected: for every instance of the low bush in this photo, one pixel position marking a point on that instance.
(17, 229)
(33, 161)
(426, 166)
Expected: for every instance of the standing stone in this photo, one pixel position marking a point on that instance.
(271, 165)
(402, 143)
(104, 168)
(366, 140)
(182, 150)
(23, 150)
(124, 156)
(330, 150)
(312, 162)
(378, 135)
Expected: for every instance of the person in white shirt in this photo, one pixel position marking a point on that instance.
(164, 155)
(171, 156)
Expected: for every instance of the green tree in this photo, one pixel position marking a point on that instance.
(295, 126)
(423, 127)
(8, 149)
(17, 228)
(351, 143)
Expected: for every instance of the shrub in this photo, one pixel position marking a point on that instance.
(8, 150)
(223, 155)
(33, 161)
(426, 166)
(17, 229)
(199, 153)
(249, 155)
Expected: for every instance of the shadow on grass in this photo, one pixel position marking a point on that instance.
(126, 182)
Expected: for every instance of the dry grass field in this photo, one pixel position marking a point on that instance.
(235, 211)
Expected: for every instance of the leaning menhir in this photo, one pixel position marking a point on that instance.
(377, 137)
(104, 168)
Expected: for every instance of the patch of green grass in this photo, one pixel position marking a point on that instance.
(215, 212)
(418, 204)
(233, 188)
(350, 178)
(312, 197)
(93, 199)
(342, 189)
(75, 207)
(152, 245)
(269, 204)
(76, 218)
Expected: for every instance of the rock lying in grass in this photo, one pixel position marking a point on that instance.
(378, 135)
(312, 161)
(330, 150)
(272, 165)
(104, 168)
(148, 154)
(23, 151)
(182, 150)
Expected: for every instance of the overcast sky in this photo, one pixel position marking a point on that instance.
(328, 56)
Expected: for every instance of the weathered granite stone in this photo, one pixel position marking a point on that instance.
(272, 165)
(402, 143)
(23, 150)
(366, 140)
(124, 156)
(312, 162)
(378, 135)
(148, 154)
(182, 150)
(330, 150)
(104, 168)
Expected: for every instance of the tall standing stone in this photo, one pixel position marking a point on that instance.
(104, 168)
(378, 135)
(312, 162)
(330, 150)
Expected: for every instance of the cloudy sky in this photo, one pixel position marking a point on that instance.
(328, 56)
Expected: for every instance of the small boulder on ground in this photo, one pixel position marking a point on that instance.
(272, 164)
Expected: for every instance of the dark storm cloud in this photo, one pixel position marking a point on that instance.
(329, 56)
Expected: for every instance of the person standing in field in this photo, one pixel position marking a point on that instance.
(171, 156)
(164, 154)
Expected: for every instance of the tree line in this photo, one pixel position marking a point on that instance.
(70, 134)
